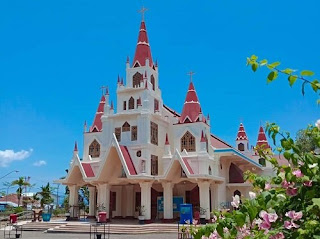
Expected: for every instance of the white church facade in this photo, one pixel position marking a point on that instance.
(140, 152)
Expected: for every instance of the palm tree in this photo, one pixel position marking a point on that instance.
(21, 182)
(45, 195)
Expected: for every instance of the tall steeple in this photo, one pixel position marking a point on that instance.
(191, 108)
(242, 140)
(97, 124)
(143, 51)
(262, 139)
(242, 135)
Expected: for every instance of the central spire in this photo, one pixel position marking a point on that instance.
(143, 51)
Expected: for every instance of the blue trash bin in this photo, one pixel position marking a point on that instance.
(186, 213)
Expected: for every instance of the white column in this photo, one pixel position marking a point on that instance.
(129, 201)
(146, 199)
(92, 201)
(214, 196)
(204, 197)
(104, 196)
(167, 200)
(222, 195)
(73, 200)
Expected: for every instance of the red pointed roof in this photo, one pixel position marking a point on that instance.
(167, 140)
(75, 147)
(203, 139)
(262, 139)
(143, 50)
(241, 133)
(97, 124)
(191, 108)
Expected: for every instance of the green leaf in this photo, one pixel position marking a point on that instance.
(253, 211)
(273, 65)
(263, 62)
(254, 57)
(292, 79)
(287, 71)
(220, 229)
(318, 102)
(240, 218)
(254, 66)
(287, 154)
(316, 201)
(272, 76)
(307, 73)
(314, 85)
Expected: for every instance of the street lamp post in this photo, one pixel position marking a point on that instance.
(14, 171)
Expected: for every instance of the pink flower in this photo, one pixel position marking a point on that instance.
(308, 183)
(236, 201)
(292, 191)
(279, 235)
(268, 218)
(267, 186)
(214, 235)
(294, 215)
(285, 184)
(290, 224)
(298, 173)
(252, 195)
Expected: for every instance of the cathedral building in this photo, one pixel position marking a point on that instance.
(141, 153)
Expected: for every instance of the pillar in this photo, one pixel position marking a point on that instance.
(214, 196)
(167, 200)
(92, 201)
(146, 199)
(204, 197)
(129, 201)
(104, 197)
(73, 200)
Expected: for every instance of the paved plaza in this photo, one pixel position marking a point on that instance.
(31, 235)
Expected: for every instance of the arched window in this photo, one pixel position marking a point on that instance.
(262, 161)
(131, 103)
(134, 133)
(209, 170)
(241, 147)
(137, 78)
(94, 149)
(188, 142)
(125, 127)
(154, 165)
(153, 82)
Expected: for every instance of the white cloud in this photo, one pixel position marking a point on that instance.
(39, 163)
(7, 156)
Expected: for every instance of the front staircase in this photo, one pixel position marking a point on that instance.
(84, 227)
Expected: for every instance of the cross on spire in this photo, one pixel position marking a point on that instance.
(191, 73)
(142, 11)
(103, 88)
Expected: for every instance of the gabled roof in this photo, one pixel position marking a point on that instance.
(97, 124)
(241, 133)
(262, 139)
(128, 160)
(218, 143)
(191, 108)
(143, 50)
(88, 169)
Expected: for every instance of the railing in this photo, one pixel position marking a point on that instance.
(25, 215)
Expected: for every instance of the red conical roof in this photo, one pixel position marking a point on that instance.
(75, 147)
(191, 108)
(262, 139)
(97, 124)
(167, 140)
(143, 50)
(241, 133)
(203, 139)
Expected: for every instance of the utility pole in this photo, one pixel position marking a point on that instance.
(57, 195)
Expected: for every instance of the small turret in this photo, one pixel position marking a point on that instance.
(242, 140)
(167, 149)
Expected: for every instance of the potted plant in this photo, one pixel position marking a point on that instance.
(202, 215)
(102, 214)
(141, 211)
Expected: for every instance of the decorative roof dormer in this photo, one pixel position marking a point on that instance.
(262, 139)
(143, 51)
(97, 124)
(191, 111)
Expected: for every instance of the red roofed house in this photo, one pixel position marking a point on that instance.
(140, 151)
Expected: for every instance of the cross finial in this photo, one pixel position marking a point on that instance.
(191, 73)
(102, 88)
(142, 11)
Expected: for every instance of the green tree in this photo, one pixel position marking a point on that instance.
(21, 182)
(45, 195)
(304, 141)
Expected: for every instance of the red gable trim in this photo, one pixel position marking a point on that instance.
(88, 169)
(128, 160)
(188, 165)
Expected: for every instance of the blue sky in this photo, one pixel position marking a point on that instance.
(55, 55)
